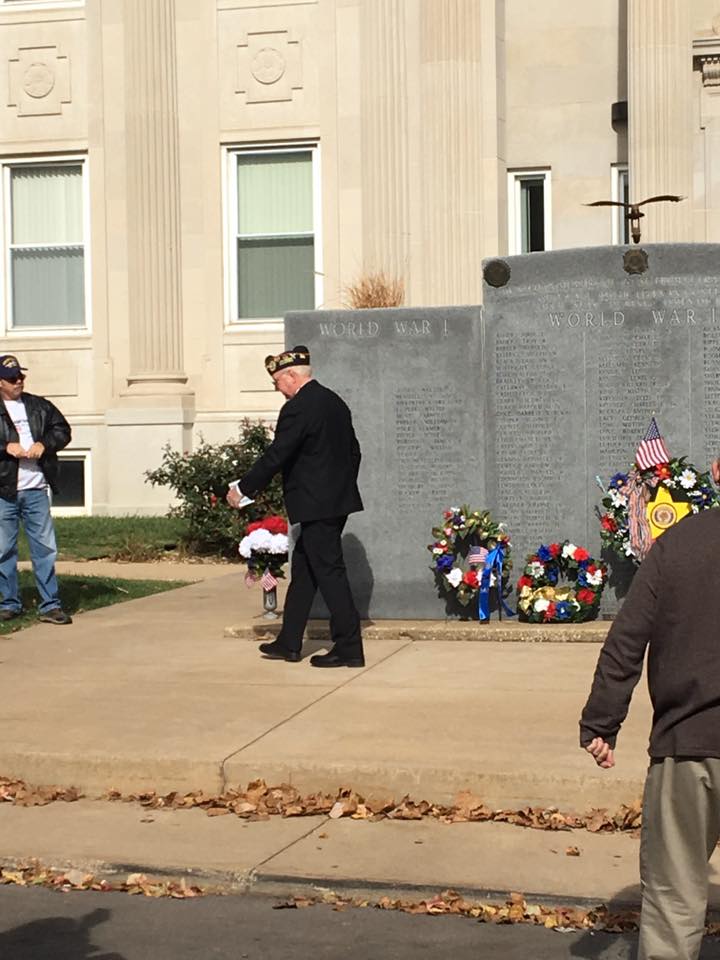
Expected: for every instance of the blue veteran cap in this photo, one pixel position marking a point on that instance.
(10, 367)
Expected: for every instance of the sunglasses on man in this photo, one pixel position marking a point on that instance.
(18, 379)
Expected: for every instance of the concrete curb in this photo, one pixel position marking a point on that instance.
(94, 777)
(429, 630)
(283, 887)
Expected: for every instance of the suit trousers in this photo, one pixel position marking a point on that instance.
(318, 564)
(680, 828)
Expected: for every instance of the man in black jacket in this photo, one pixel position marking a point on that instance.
(317, 451)
(32, 430)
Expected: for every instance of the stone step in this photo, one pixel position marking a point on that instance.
(509, 631)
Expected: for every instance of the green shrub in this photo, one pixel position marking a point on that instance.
(200, 482)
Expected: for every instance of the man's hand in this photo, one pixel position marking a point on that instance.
(36, 451)
(234, 497)
(715, 470)
(602, 753)
(16, 450)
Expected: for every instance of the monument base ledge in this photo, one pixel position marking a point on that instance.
(416, 630)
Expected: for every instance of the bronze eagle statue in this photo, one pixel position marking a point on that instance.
(633, 212)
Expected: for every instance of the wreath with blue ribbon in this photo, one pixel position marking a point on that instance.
(470, 558)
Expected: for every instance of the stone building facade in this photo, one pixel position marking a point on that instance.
(176, 174)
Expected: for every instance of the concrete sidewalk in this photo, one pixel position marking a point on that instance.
(157, 570)
(291, 855)
(151, 694)
(155, 694)
(307, 855)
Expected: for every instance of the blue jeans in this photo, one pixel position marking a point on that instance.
(32, 509)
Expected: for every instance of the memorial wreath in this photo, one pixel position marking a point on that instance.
(542, 597)
(642, 504)
(470, 552)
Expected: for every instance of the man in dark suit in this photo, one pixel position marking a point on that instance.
(317, 451)
(672, 610)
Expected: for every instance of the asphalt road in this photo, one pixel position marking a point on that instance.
(38, 924)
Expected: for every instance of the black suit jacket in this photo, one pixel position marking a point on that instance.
(316, 448)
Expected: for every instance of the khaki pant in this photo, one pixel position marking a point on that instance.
(681, 826)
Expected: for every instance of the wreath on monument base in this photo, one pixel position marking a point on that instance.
(542, 599)
(640, 505)
(464, 542)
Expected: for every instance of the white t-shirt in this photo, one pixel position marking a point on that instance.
(30, 475)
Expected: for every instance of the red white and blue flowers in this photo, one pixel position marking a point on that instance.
(542, 597)
(461, 544)
(688, 490)
(265, 546)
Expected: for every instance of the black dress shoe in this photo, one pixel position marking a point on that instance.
(333, 659)
(276, 651)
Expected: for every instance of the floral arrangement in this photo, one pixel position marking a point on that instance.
(265, 546)
(461, 545)
(543, 600)
(677, 488)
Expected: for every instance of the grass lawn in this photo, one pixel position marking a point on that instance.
(114, 538)
(79, 594)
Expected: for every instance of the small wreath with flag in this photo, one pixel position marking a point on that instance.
(542, 599)
(265, 550)
(468, 545)
(656, 493)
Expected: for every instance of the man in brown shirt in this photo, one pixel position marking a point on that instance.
(673, 609)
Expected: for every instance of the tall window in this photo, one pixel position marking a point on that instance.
(529, 211)
(620, 187)
(45, 273)
(274, 263)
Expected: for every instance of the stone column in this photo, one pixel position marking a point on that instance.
(153, 199)
(709, 162)
(386, 228)
(459, 146)
(432, 176)
(660, 121)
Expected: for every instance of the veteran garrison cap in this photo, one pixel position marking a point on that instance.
(297, 357)
(10, 367)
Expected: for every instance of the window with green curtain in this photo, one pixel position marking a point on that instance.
(47, 251)
(275, 239)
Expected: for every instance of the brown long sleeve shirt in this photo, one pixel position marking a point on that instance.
(673, 609)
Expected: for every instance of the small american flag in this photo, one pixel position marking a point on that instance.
(250, 580)
(477, 555)
(267, 580)
(652, 449)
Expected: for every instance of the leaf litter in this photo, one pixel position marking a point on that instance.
(34, 874)
(515, 910)
(260, 802)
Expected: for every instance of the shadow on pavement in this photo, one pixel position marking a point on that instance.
(56, 938)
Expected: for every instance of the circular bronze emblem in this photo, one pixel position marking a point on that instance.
(635, 260)
(664, 515)
(497, 273)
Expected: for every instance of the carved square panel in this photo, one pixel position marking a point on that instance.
(269, 67)
(39, 81)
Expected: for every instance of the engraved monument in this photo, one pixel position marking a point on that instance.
(517, 407)
(412, 380)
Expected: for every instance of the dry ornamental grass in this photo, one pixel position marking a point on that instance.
(375, 290)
